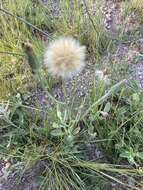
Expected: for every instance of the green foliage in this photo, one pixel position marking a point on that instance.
(15, 74)
(32, 11)
(122, 126)
(57, 141)
(88, 28)
(137, 7)
(59, 134)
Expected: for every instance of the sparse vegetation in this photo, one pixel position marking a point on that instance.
(137, 7)
(66, 142)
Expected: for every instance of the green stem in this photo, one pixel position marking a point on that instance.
(43, 86)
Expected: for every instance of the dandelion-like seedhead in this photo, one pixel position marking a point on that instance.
(65, 57)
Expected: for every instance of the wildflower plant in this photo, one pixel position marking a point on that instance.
(60, 136)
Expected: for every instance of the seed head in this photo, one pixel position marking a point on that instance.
(64, 57)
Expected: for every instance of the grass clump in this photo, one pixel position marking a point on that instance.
(87, 26)
(61, 143)
(14, 32)
(123, 125)
(137, 7)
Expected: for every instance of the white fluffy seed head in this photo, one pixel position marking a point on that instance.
(64, 57)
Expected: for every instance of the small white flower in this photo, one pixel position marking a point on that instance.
(102, 77)
(104, 114)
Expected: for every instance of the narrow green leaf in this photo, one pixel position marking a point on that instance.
(57, 133)
(107, 107)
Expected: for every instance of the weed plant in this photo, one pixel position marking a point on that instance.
(58, 136)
